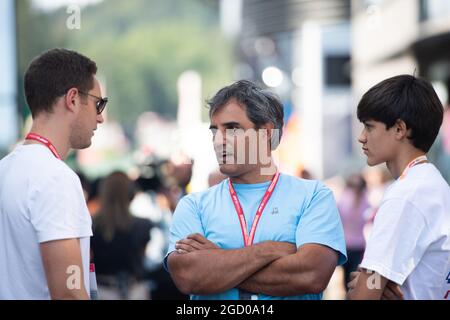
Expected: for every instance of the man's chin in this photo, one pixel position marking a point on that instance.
(373, 162)
(83, 146)
(229, 169)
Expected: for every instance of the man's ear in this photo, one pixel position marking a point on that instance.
(267, 129)
(269, 126)
(271, 134)
(71, 99)
(401, 130)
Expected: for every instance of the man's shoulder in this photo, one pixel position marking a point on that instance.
(54, 171)
(33, 164)
(295, 184)
(423, 185)
(205, 195)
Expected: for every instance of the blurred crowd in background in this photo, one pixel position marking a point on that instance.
(160, 60)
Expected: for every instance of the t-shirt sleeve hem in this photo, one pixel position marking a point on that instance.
(383, 270)
(61, 235)
(342, 252)
(165, 261)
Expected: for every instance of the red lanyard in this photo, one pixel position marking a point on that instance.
(248, 239)
(46, 142)
(418, 160)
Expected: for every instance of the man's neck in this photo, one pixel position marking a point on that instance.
(54, 131)
(399, 164)
(259, 175)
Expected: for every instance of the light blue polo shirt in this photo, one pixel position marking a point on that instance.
(299, 211)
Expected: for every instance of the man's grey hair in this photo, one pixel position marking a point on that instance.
(261, 106)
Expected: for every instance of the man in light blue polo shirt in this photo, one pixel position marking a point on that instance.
(259, 234)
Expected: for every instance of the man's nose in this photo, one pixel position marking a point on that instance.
(362, 137)
(100, 118)
(219, 138)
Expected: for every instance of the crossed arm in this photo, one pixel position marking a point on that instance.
(367, 285)
(273, 268)
(306, 271)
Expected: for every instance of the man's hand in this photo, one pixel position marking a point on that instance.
(194, 242)
(354, 276)
(304, 271)
(391, 291)
(195, 256)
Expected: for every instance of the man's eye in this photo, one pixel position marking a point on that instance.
(231, 130)
(213, 132)
(234, 131)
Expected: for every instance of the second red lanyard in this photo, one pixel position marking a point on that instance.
(44, 141)
(248, 238)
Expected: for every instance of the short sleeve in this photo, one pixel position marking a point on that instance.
(320, 223)
(186, 220)
(58, 208)
(396, 243)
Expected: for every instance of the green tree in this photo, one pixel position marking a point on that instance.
(140, 46)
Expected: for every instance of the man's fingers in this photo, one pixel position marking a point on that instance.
(197, 237)
(388, 294)
(181, 251)
(291, 248)
(205, 243)
(395, 289)
(353, 275)
(193, 243)
(392, 291)
(185, 247)
(353, 279)
(352, 283)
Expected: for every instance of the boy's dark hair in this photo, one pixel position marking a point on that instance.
(406, 98)
(52, 74)
(261, 106)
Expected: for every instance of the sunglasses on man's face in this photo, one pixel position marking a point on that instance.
(100, 104)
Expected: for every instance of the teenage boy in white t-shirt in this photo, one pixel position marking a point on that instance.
(45, 227)
(410, 241)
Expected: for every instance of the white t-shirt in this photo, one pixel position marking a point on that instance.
(41, 200)
(410, 240)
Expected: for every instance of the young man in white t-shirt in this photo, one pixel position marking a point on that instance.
(410, 241)
(45, 227)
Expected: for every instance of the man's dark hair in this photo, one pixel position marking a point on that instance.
(261, 106)
(52, 74)
(406, 98)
